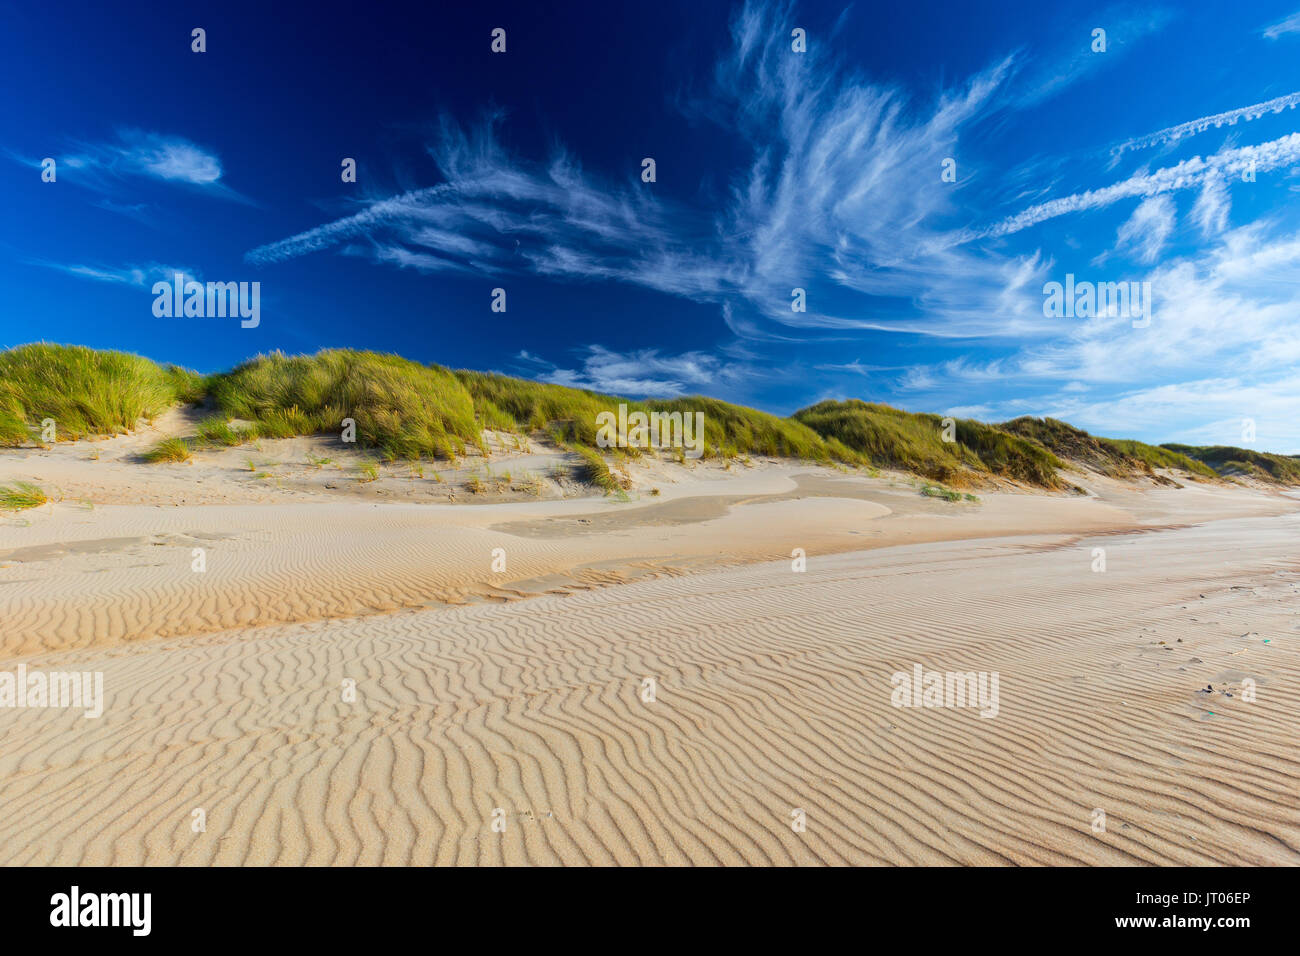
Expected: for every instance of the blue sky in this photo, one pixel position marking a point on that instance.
(775, 170)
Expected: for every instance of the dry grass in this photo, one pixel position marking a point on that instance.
(21, 495)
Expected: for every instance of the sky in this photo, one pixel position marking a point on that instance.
(923, 172)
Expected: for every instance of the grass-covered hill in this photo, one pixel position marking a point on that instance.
(1231, 462)
(401, 408)
(86, 391)
(405, 410)
(890, 438)
(1119, 458)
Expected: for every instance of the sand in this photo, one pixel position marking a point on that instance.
(350, 681)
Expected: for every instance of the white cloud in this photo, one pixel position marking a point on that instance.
(133, 275)
(856, 367)
(1146, 231)
(1212, 206)
(1289, 25)
(644, 372)
(137, 154)
(1227, 312)
(168, 157)
(837, 197)
(1226, 165)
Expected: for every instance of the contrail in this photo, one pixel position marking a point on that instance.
(1190, 173)
(1195, 126)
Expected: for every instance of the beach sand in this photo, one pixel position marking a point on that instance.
(352, 681)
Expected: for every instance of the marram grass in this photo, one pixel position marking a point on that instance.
(168, 450)
(21, 495)
(405, 411)
(890, 438)
(86, 392)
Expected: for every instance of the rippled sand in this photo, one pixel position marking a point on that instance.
(518, 697)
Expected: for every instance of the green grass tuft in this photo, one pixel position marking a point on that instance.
(218, 431)
(21, 495)
(593, 470)
(935, 491)
(169, 449)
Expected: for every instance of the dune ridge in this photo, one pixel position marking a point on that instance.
(408, 411)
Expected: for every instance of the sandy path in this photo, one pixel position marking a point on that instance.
(773, 693)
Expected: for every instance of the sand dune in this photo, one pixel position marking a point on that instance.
(76, 577)
(524, 705)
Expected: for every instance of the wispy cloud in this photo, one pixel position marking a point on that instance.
(838, 197)
(1146, 231)
(856, 367)
(643, 372)
(1073, 57)
(844, 184)
(137, 154)
(499, 213)
(1226, 165)
(1289, 25)
(168, 158)
(1212, 206)
(132, 275)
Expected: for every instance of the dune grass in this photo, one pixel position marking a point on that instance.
(593, 469)
(518, 405)
(938, 491)
(733, 430)
(217, 432)
(1118, 458)
(87, 392)
(407, 411)
(21, 495)
(1154, 456)
(13, 426)
(890, 438)
(403, 409)
(168, 450)
(1071, 444)
(1229, 461)
(569, 416)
